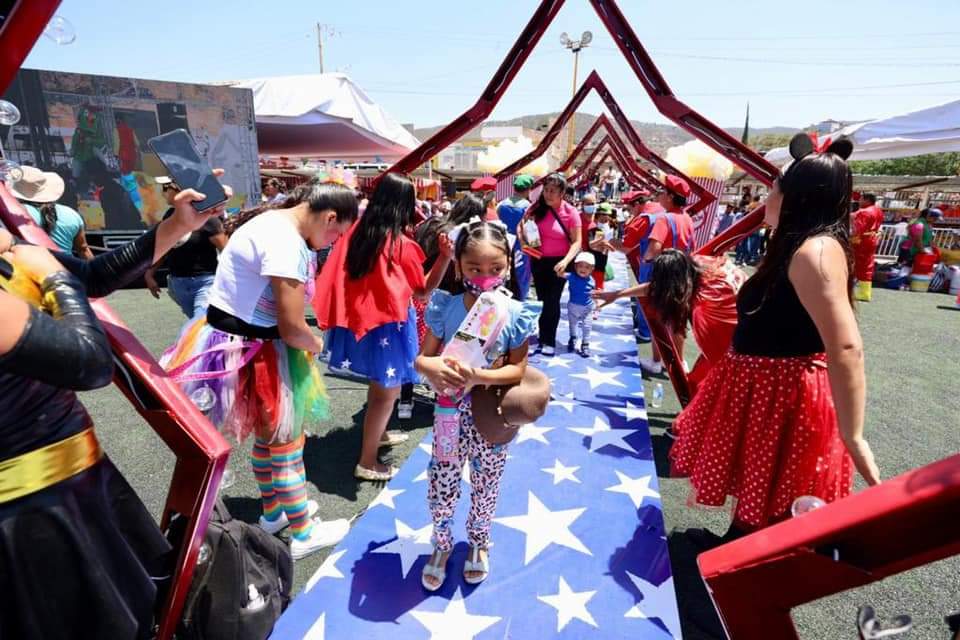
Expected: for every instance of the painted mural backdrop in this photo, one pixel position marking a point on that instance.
(93, 131)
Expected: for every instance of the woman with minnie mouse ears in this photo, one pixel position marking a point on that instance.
(781, 416)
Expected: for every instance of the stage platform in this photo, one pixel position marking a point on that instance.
(579, 543)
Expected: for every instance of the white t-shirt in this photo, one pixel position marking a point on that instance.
(267, 246)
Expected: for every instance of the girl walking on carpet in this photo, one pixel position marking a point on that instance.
(781, 415)
(483, 263)
(255, 352)
(364, 298)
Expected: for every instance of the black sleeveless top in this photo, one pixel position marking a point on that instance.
(776, 327)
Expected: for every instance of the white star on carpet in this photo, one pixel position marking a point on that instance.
(533, 432)
(598, 378)
(602, 435)
(384, 342)
(327, 570)
(544, 527)
(636, 488)
(409, 545)
(625, 337)
(385, 498)
(656, 601)
(567, 403)
(454, 622)
(391, 372)
(557, 361)
(561, 473)
(427, 447)
(569, 604)
(317, 630)
(632, 411)
(345, 364)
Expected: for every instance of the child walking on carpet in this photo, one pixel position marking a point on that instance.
(364, 298)
(580, 306)
(483, 263)
(255, 353)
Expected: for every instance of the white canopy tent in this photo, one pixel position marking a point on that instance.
(324, 116)
(930, 130)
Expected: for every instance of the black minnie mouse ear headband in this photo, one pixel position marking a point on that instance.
(803, 145)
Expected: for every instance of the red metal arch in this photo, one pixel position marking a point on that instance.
(640, 176)
(589, 169)
(594, 82)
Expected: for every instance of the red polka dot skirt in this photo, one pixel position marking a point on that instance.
(764, 431)
(420, 308)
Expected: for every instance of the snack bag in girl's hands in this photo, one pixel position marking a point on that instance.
(478, 332)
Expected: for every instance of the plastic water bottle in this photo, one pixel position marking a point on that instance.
(656, 400)
(205, 400)
(805, 504)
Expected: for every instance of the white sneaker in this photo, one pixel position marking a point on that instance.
(549, 351)
(404, 411)
(322, 534)
(276, 526)
(651, 366)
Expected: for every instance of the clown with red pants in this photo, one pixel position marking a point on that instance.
(866, 235)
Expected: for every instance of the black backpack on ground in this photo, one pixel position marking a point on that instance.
(242, 585)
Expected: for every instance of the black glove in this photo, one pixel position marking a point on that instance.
(115, 269)
(66, 349)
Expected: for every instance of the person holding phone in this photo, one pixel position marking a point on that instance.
(192, 264)
(255, 352)
(80, 550)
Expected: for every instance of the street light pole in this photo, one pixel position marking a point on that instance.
(573, 121)
(575, 46)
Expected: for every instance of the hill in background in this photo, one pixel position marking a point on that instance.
(659, 137)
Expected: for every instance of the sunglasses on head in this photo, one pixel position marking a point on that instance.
(170, 187)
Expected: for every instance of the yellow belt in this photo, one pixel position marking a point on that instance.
(38, 469)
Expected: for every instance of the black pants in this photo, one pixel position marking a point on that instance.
(549, 289)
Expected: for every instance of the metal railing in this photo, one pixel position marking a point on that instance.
(889, 244)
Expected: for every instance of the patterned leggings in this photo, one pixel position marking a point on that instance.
(486, 468)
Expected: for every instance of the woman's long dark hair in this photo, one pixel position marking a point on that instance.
(540, 208)
(674, 283)
(48, 213)
(319, 196)
(428, 232)
(496, 235)
(816, 202)
(388, 213)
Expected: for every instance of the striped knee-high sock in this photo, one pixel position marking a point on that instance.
(289, 485)
(263, 470)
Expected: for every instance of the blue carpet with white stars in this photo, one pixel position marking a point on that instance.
(579, 543)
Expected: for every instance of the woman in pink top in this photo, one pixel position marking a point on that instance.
(558, 224)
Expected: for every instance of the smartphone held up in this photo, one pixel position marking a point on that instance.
(178, 153)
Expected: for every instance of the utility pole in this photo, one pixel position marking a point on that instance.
(320, 44)
(575, 46)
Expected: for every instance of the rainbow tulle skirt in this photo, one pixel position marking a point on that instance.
(248, 386)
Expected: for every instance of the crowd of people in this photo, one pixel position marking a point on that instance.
(777, 413)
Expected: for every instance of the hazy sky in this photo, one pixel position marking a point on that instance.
(426, 61)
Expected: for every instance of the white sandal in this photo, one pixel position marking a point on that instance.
(362, 473)
(474, 564)
(434, 569)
